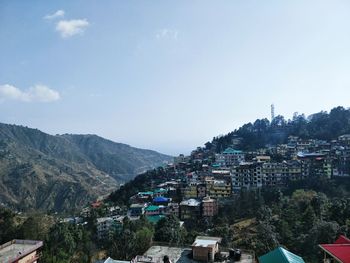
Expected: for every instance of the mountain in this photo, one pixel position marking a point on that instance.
(119, 160)
(39, 171)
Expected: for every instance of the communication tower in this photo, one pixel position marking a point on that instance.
(272, 112)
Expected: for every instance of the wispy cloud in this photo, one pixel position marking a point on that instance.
(38, 93)
(58, 13)
(167, 33)
(69, 28)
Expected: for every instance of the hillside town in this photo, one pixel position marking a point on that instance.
(196, 186)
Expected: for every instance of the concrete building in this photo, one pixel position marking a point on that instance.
(218, 188)
(190, 209)
(107, 226)
(20, 251)
(209, 207)
(258, 174)
(229, 157)
(204, 248)
(173, 209)
(246, 175)
(315, 165)
(190, 190)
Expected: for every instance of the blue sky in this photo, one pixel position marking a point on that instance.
(169, 75)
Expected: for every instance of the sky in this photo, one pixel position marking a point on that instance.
(169, 75)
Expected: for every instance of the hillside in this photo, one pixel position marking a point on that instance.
(63, 172)
(119, 160)
(262, 132)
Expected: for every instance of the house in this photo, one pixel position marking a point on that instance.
(204, 248)
(18, 251)
(280, 255)
(190, 209)
(338, 252)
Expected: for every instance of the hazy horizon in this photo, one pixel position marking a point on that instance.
(169, 76)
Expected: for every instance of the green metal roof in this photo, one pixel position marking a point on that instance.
(280, 255)
(152, 208)
(231, 151)
(146, 193)
(155, 219)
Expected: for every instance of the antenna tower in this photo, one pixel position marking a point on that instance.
(272, 112)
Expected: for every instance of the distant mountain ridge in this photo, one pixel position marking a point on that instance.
(39, 171)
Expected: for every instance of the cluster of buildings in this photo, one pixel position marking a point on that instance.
(196, 184)
(276, 166)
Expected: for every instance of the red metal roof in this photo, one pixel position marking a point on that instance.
(342, 240)
(340, 250)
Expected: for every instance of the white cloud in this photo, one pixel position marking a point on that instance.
(68, 28)
(38, 93)
(58, 13)
(167, 33)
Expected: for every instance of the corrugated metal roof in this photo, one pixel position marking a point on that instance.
(280, 255)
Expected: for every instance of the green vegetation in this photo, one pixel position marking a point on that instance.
(251, 136)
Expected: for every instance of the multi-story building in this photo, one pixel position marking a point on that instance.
(229, 157)
(20, 251)
(190, 190)
(190, 209)
(256, 175)
(247, 175)
(315, 165)
(209, 207)
(218, 188)
(173, 209)
(107, 226)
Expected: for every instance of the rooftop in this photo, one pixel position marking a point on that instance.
(232, 151)
(204, 241)
(155, 254)
(16, 249)
(152, 208)
(190, 202)
(339, 250)
(280, 255)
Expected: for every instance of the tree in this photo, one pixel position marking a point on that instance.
(168, 230)
(7, 225)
